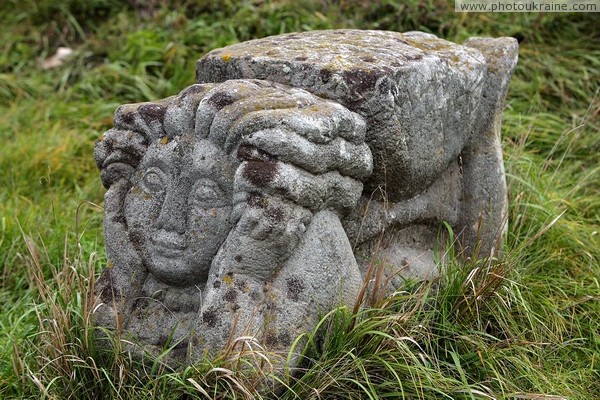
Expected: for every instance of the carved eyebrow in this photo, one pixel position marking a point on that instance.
(195, 175)
(157, 162)
(213, 168)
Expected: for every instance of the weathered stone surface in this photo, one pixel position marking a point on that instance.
(484, 204)
(223, 215)
(255, 201)
(419, 94)
(433, 112)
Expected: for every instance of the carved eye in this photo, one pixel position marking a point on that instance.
(153, 181)
(207, 193)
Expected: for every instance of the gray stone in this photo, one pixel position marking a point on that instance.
(419, 94)
(223, 216)
(258, 199)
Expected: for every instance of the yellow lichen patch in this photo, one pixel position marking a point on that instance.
(164, 140)
(228, 280)
(226, 57)
(110, 265)
(428, 43)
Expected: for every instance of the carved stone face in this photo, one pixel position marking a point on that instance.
(178, 210)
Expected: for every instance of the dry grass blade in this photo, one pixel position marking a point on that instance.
(537, 396)
(199, 388)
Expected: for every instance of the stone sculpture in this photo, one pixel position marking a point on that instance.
(252, 202)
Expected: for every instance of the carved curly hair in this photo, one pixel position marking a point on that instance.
(282, 141)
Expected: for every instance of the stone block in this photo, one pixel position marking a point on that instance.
(254, 201)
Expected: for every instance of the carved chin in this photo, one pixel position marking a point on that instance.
(175, 270)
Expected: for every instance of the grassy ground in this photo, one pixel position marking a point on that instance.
(524, 327)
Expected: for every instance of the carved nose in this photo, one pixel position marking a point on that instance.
(173, 213)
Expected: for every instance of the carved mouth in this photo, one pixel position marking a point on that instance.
(168, 243)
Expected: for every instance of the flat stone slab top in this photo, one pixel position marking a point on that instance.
(419, 94)
(255, 201)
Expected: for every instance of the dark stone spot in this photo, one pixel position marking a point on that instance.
(152, 112)
(271, 339)
(209, 318)
(284, 338)
(281, 191)
(325, 75)
(401, 41)
(251, 153)
(136, 237)
(238, 258)
(128, 118)
(142, 303)
(274, 214)
(216, 284)
(300, 58)
(254, 295)
(194, 89)
(119, 219)
(245, 152)
(404, 262)
(240, 284)
(109, 146)
(235, 307)
(181, 345)
(260, 173)
(414, 57)
(229, 274)
(396, 64)
(230, 296)
(360, 80)
(368, 59)
(256, 199)
(294, 287)
(179, 353)
(108, 293)
(221, 99)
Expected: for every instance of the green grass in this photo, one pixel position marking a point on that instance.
(514, 328)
